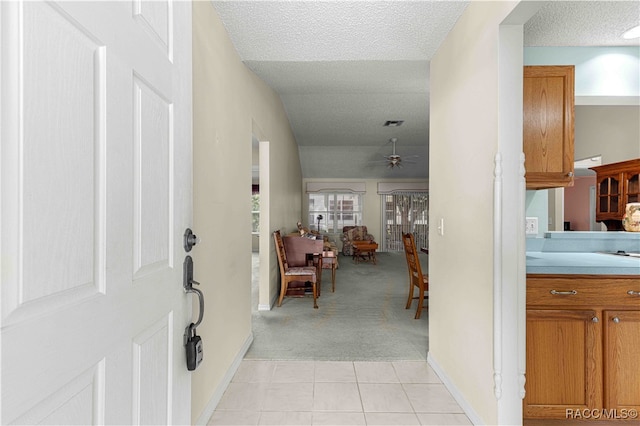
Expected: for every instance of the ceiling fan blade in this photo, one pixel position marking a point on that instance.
(395, 160)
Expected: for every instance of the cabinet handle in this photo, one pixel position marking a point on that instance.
(615, 319)
(570, 174)
(564, 293)
(633, 293)
(594, 319)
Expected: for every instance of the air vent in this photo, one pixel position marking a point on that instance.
(393, 123)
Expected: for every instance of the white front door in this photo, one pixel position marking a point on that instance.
(96, 195)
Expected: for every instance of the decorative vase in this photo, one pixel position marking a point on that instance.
(631, 218)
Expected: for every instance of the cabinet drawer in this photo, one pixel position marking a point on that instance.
(587, 290)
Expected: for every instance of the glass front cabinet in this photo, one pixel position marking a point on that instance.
(617, 184)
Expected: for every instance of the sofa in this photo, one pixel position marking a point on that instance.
(353, 233)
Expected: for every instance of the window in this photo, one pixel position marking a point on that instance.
(255, 213)
(337, 210)
(405, 212)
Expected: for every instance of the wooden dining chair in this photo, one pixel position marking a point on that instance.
(416, 278)
(293, 273)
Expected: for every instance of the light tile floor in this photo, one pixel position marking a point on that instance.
(337, 393)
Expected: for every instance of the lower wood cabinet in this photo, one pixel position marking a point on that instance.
(622, 359)
(564, 355)
(583, 345)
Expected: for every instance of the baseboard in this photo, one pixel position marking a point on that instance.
(453, 390)
(263, 307)
(217, 395)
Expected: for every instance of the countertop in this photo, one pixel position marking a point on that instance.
(539, 262)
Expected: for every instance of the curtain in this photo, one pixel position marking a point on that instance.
(404, 212)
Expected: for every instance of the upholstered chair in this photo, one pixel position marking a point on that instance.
(353, 233)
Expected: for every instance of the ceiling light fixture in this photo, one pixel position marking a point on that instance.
(632, 33)
(393, 123)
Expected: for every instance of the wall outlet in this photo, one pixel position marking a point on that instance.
(531, 226)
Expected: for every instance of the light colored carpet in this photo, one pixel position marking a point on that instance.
(364, 320)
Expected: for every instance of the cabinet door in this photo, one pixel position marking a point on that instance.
(618, 184)
(564, 362)
(632, 185)
(622, 359)
(609, 197)
(548, 129)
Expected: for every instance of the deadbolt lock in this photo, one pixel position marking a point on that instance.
(190, 240)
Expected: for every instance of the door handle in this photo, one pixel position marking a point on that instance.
(188, 282)
(191, 341)
(563, 293)
(201, 303)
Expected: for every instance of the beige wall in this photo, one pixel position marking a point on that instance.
(610, 131)
(463, 142)
(229, 105)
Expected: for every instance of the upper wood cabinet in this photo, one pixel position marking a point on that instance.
(616, 185)
(548, 122)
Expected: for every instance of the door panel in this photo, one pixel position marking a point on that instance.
(622, 352)
(56, 169)
(152, 375)
(76, 403)
(153, 121)
(96, 193)
(59, 144)
(564, 358)
(156, 18)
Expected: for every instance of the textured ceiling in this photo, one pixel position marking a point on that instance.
(583, 23)
(343, 68)
(301, 31)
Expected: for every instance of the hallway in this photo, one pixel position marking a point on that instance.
(305, 369)
(364, 320)
(267, 392)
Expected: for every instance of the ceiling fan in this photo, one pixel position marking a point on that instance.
(394, 160)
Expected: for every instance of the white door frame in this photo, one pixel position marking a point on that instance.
(509, 286)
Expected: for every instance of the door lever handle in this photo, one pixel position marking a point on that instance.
(201, 303)
(188, 282)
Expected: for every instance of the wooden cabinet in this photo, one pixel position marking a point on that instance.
(583, 344)
(563, 362)
(622, 355)
(616, 185)
(548, 126)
